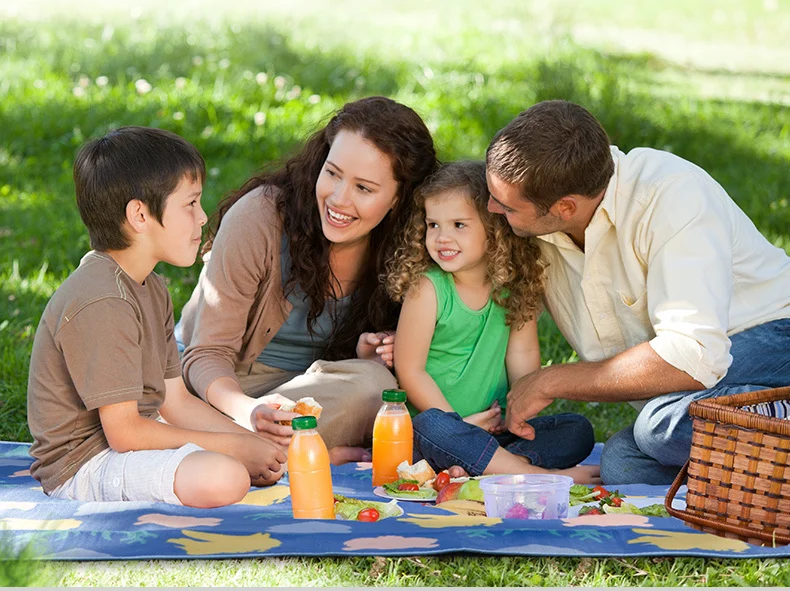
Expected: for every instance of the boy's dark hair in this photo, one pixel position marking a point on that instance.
(130, 163)
(553, 149)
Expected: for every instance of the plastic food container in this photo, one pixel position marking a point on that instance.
(527, 496)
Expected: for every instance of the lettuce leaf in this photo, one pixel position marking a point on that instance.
(648, 511)
(349, 508)
(581, 494)
(424, 493)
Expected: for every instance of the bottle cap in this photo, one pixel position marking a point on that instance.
(393, 395)
(308, 422)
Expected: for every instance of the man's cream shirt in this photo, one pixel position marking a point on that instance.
(669, 258)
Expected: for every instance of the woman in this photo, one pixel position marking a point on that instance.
(291, 286)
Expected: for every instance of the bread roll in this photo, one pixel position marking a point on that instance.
(304, 406)
(421, 472)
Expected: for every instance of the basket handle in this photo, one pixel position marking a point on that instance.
(673, 491)
(772, 538)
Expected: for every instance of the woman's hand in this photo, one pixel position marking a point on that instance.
(377, 346)
(265, 416)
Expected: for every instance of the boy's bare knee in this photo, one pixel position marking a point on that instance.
(208, 479)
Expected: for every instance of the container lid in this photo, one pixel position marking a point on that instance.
(507, 483)
(308, 422)
(393, 395)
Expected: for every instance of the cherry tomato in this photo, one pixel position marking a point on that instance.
(442, 480)
(588, 510)
(370, 514)
(616, 501)
(408, 486)
(602, 492)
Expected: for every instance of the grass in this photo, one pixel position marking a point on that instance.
(245, 82)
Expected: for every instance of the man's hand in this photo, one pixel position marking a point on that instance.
(377, 346)
(265, 416)
(528, 396)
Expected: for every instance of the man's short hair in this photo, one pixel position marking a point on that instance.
(130, 163)
(553, 149)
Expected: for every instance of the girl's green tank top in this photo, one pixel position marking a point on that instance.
(466, 358)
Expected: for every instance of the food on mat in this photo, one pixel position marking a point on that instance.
(370, 514)
(590, 510)
(517, 511)
(656, 510)
(411, 490)
(581, 494)
(471, 491)
(421, 472)
(304, 406)
(449, 492)
(350, 508)
(609, 502)
(442, 479)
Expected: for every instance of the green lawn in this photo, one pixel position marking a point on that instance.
(245, 81)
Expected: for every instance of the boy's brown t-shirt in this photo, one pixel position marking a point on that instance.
(103, 338)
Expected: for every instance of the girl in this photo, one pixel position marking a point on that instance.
(468, 328)
(291, 284)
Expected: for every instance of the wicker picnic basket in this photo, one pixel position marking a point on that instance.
(738, 470)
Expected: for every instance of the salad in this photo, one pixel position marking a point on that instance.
(359, 510)
(609, 502)
(409, 489)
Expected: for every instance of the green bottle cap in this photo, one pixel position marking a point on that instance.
(393, 395)
(308, 422)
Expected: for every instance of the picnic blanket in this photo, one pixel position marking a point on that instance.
(262, 525)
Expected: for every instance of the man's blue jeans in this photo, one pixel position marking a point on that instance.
(444, 439)
(655, 447)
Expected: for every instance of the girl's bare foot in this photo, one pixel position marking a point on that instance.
(343, 454)
(457, 472)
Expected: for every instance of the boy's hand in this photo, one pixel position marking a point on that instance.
(489, 420)
(264, 420)
(263, 459)
(377, 346)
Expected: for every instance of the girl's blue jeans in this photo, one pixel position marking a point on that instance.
(444, 440)
(655, 447)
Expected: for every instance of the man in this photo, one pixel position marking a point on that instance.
(662, 285)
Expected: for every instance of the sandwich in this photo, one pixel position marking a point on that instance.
(421, 472)
(304, 406)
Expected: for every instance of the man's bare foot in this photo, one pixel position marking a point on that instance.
(343, 454)
(583, 474)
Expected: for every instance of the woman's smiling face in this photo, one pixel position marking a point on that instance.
(355, 189)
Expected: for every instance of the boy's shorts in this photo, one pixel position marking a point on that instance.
(147, 475)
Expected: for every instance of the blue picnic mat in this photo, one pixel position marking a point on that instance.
(261, 525)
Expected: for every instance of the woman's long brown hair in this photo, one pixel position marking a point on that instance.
(399, 133)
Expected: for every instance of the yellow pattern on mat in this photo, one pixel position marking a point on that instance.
(674, 540)
(202, 543)
(263, 497)
(434, 521)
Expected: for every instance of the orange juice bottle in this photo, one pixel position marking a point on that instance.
(393, 437)
(309, 475)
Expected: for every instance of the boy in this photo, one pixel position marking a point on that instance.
(105, 366)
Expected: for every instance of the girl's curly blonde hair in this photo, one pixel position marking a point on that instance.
(515, 268)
